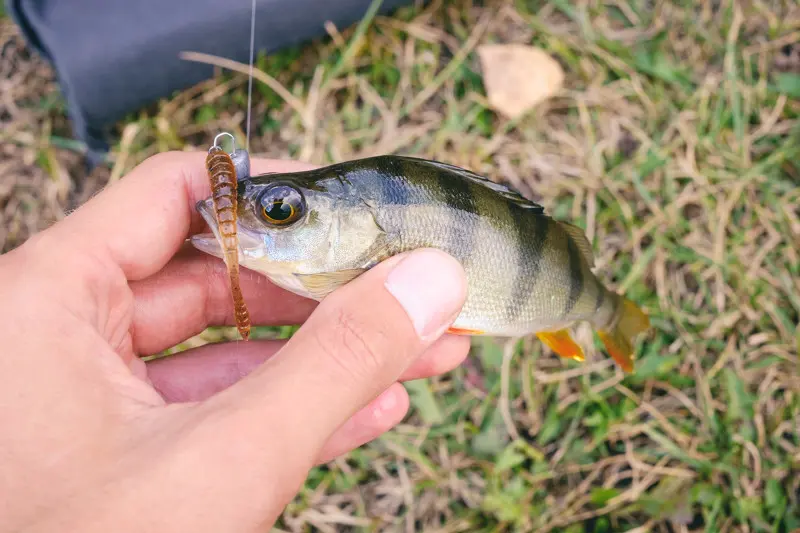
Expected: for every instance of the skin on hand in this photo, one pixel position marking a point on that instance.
(218, 438)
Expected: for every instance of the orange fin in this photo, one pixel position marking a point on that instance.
(562, 343)
(619, 341)
(619, 348)
(464, 331)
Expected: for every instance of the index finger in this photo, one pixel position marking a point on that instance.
(141, 221)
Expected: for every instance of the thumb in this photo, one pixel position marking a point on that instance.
(271, 426)
(356, 344)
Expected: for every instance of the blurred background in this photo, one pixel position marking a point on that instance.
(669, 131)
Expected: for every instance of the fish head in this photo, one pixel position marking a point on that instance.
(299, 223)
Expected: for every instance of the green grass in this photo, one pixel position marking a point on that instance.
(676, 145)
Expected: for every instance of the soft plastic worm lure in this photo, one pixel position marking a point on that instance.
(222, 173)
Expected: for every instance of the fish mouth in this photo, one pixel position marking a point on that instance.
(249, 245)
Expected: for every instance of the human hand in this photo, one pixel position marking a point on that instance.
(219, 438)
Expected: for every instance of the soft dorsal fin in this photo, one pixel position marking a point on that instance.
(581, 241)
(503, 190)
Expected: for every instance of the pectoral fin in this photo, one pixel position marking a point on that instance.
(324, 283)
(562, 343)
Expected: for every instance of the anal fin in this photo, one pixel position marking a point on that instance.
(464, 331)
(562, 343)
(620, 339)
(618, 347)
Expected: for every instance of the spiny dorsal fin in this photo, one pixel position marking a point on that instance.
(581, 241)
(505, 191)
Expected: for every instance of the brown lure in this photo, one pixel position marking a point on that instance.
(222, 174)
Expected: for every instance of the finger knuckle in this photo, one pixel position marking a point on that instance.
(351, 345)
(168, 158)
(213, 282)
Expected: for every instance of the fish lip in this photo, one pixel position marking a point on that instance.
(206, 210)
(249, 245)
(208, 242)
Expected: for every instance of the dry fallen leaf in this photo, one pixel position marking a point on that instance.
(518, 77)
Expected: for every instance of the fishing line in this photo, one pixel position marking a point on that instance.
(250, 80)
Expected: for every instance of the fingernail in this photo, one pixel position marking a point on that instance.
(386, 403)
(430, 286)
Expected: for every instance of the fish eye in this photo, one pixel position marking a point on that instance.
(281, 205)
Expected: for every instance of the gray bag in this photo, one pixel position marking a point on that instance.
(113, 57)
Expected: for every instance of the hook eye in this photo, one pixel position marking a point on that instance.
(223, 134)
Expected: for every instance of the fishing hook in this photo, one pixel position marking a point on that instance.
(240, 157)
(224, 133)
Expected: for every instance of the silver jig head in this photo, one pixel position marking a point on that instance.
(240, 157)
(241, 160)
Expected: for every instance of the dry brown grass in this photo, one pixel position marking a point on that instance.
(671, 146)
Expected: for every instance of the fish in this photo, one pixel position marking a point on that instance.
(311, 232)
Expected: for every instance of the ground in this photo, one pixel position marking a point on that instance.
(674, 144)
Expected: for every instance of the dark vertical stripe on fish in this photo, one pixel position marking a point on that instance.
(397, 194)
(601, 296)
(530, 235)
(459, 195)
(394, 187)
(575, 276)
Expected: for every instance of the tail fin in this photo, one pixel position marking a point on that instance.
(619, 341)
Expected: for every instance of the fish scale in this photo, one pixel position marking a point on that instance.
(487, 278)
(450, 215)
(530, 233)
(469, 222)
